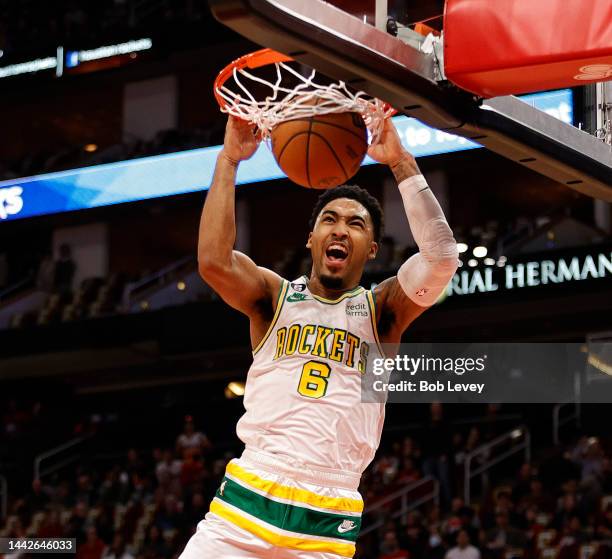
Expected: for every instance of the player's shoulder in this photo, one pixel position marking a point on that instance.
(384, 291)
(274, 282)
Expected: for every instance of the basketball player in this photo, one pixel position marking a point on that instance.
(293, 492)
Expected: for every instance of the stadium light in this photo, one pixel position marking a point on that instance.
(461, 248)
(480, 251)
(234, 389)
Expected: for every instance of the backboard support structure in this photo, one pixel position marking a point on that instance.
(344, 47)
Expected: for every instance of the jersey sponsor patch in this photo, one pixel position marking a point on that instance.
(297, 297)
(298, 286)
(356, 309)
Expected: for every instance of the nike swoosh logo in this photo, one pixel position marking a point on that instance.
(342, 529)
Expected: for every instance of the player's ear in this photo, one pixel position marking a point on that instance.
(308, 242)
(373, 251)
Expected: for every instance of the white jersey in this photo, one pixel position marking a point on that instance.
(303, 390)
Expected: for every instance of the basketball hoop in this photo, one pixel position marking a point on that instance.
(306, 99)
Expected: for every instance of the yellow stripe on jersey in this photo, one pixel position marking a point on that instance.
(279, 306)
(351, 293)
(294, 494)
(280, 540)
(372, 305)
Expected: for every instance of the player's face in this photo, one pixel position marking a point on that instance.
(341, 243)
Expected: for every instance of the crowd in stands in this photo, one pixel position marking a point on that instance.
(165, 141)
(100, 296)
(146, 504)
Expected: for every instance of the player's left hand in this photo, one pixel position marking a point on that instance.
(389, 149)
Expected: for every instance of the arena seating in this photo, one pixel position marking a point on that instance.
(149, 501)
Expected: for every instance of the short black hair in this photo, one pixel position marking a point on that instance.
(353, 192)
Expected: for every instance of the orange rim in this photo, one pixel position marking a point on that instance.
(253, 60)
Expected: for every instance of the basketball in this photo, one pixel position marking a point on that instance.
(322, 151)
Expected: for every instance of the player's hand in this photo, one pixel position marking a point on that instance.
(241, 140)
(389, 149)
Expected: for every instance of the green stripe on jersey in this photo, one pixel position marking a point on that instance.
(290, 517)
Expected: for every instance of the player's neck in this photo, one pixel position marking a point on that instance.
(317, 288)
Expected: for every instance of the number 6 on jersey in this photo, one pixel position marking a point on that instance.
(313, 380)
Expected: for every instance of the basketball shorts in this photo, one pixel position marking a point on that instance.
(274, 509)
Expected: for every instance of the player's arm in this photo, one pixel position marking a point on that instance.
(233, 275)
(424, 276)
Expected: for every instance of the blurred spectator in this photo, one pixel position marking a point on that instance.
(503, 536)
(117, 550)
(409, 472)
(415, 537)
(105, 523)
(45, 277)
(38, 497)
(521, 487)
(65, 268)
(14, 420)
(502, 505)
(573, 533)
(390, 548)
(435, 548)
(538, 497)
(191, 439)
(168, 473)
(155, 545)
(51, 526)
(603, 529)
(192, 470)
(195, 512)
(452, 524)
(436, 448)
(93, 546)
(108, 492)
(463, 549)
(593, 463)
(170, 516)
(84, 490)
(15, 528)
(568, 508)
(134, 463)
(469, 522)
(76, 524)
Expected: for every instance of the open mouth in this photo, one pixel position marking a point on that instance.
(336, 253)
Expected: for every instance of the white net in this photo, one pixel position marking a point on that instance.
(306, 99)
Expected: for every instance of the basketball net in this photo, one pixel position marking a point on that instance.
(308, 98)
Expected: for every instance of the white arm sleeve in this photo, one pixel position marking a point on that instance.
(425, 275)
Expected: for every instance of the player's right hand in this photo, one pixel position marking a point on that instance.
(241, 140)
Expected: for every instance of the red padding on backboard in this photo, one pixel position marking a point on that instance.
(501, 47)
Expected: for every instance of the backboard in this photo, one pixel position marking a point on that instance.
(356, 47)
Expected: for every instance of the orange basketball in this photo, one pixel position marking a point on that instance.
(322, 151)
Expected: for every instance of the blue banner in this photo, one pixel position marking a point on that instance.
(191, 171)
